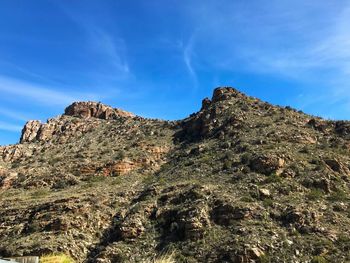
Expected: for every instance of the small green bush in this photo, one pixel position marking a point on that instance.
(318, 259)
(39, 193)
(268, 202)
(315, 194)
(273, 178)
(338, 196)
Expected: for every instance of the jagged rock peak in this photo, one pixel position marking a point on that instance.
(221, 94)
(96, 110)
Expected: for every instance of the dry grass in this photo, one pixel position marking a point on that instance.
(164, 258)
(169, 258)
(56, 258)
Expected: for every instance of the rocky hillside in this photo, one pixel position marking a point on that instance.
(239, 181)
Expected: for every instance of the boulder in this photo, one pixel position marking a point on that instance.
(266, 164)
(264, 193)
(336, 166)
(342, 128)
(131, 228)
(30, 131)
(12, 153)
(225, 213)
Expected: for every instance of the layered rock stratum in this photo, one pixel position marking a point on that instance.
(239, 181)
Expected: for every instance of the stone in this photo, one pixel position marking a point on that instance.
(264, 193)
(223, 93)
(12, 153)
(131, 228)
(336, 166)
(224, 213)
(256, 253)
(205, 103)
(7, 179)
(342, 128)
(266, 164)
(120, 167)
(95, 110)
(30, 131)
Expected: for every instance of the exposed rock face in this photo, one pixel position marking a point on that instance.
(95, 110)
(337, 166)
(224, 93)
(30, 131)
(266, 164)
(212, 117)
(13, 153)
(36, 131)
(60, 128)
(225, 214)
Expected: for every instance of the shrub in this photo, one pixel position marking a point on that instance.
(39, 193)
(245, 158)
(268, 202)
(318, 259)
(338, 196)
(273, 178)
(95, 179)
(227, 165)
(315, 194)
(120, 155)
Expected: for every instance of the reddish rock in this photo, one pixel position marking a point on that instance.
(120, 168)
(95, 110)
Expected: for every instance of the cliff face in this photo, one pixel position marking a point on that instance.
(239, 181)
(95, 110)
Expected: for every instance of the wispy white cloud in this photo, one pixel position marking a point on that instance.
(13, 114)
(19, 89)
(9, 127)
(111, 48)
(187, 50)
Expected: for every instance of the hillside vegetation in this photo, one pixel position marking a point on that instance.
(239, 181)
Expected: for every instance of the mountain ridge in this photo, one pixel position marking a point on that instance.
(240, 180)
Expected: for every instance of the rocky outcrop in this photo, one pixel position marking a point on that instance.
(121, 167)
(95, 110)
(13, 153)
(224, 93)
(225, 214)
(212, 119)
(36, 131)
(60, 128)
(337, 166)
(266, 164)
(30, 131)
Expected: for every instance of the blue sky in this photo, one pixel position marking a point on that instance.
(159, 58)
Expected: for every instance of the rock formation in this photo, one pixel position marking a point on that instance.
(95, 110)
